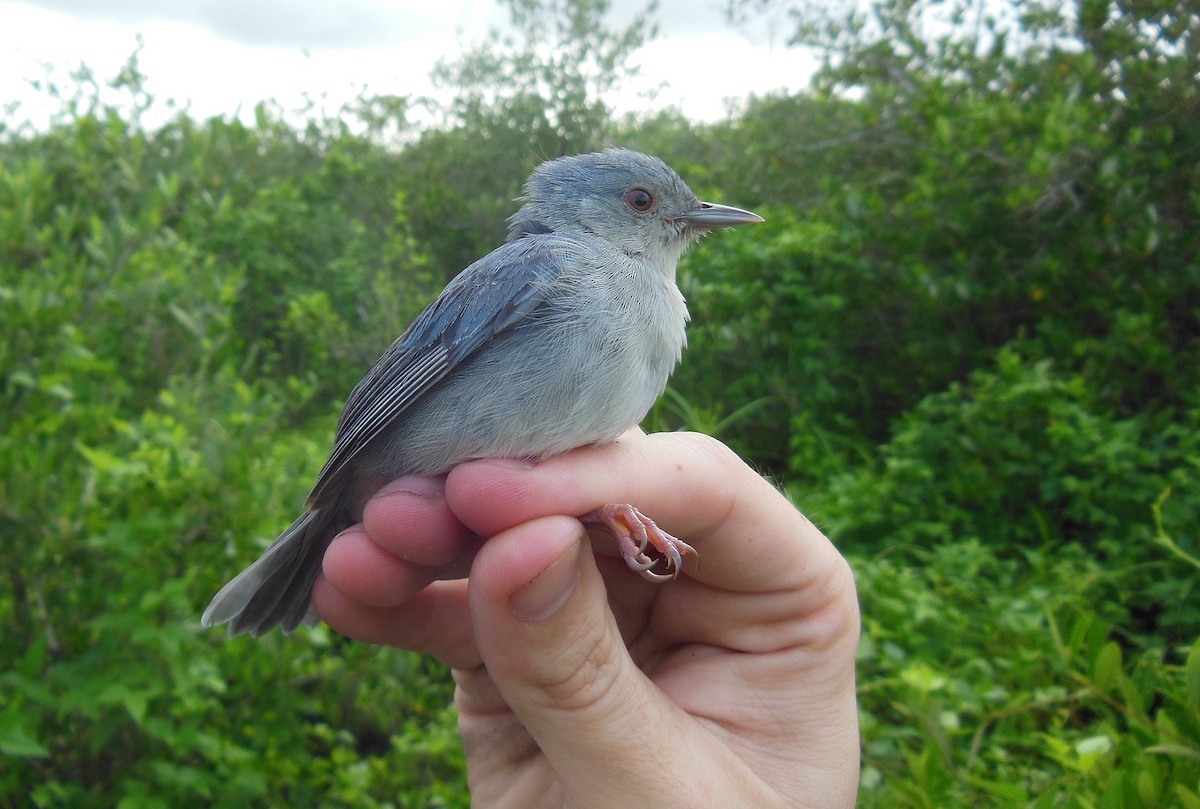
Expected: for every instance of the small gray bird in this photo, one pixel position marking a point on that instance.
(562, 337)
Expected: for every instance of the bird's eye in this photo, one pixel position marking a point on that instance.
(640, 200)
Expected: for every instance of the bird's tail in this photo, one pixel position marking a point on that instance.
(277, 589)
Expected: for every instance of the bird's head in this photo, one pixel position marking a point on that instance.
(631, 200)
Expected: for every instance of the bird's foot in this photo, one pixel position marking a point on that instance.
(635, 533)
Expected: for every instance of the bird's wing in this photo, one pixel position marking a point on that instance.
(493, 294)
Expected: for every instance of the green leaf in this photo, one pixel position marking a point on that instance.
(135, 704)
(1175, 750)
(16, 740)
(1106, 670)
(1188, 799)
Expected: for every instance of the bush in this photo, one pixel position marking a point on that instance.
(996, 682)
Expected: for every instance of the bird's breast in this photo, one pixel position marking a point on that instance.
(582, 369)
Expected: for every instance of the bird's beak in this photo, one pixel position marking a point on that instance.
(712, 215)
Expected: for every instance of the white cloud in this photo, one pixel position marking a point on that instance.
(701, 73)
(310, 24)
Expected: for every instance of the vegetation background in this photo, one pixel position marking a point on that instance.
(967, 342)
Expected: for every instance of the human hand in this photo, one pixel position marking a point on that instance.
(580, 683)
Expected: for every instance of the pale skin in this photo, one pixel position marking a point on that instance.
(579, 683)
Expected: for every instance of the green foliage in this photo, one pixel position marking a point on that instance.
(1021, 457)
(1029, 606)
(1022, 178)
(984, 331)
(996, 682)
(164, 300)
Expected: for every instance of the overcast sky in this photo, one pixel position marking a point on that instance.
(221, 57)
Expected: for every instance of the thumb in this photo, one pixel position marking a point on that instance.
(552, 649)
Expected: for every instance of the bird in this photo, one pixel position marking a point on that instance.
(564, 336)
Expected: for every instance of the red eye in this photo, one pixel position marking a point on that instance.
(640, 200)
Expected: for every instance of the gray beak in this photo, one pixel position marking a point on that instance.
(712, 215)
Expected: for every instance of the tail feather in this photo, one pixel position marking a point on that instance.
(277, 589)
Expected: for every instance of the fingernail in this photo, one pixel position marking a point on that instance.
(419, 485)
(549, 590)
(357, 527)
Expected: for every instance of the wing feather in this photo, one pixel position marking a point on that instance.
(494, 294)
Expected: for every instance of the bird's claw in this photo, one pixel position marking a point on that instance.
(635, 533)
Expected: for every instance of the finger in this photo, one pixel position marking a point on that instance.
(376, 582)
(749, 537)
(409, 518)
(435, 621)
(361, 569)
(408, 538)
(552, 651)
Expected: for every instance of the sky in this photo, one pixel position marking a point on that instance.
(222, 57)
